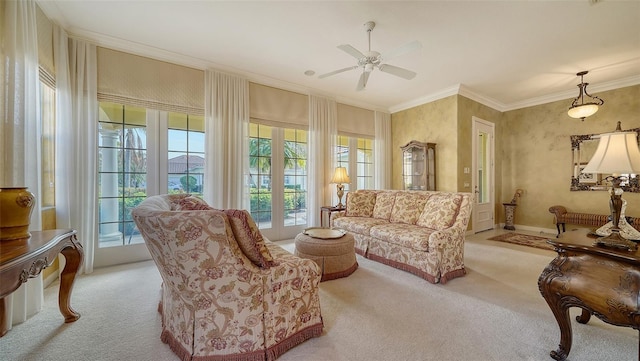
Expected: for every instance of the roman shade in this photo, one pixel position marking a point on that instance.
(278, 107)
(139, 81)
(355, 121)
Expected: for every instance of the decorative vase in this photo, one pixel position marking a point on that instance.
(16, 205)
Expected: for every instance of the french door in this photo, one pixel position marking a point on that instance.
(142, 152)
(483, 175)
(278, 180)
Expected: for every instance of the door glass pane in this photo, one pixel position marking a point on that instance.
(185, 162)
(260, 174)
(365, 164)
(483, 167)
(122, 172)
(295, 177)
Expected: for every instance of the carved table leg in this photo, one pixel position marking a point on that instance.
(584, 317)
(558, 305)
(561, 314)
(73, 257)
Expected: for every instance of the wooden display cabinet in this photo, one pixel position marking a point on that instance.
(419, 166)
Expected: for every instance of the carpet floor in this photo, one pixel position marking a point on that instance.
(494, 313)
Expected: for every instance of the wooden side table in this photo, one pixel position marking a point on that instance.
(329, 210)
(24, 259)
(604, 282)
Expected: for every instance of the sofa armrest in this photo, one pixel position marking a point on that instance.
(335, 215)
(558, 212)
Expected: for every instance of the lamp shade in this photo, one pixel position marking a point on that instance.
(340, 176)
(617, 153)
(583, 111)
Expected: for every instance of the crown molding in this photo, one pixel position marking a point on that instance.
(569, 94)
(465, 91)
(425, 99)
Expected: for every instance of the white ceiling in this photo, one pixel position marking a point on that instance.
(506, 54)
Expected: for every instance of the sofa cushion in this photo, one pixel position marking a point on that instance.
(360, 225)
(384, 205)
(249, 238)
(407, 207)
(360, 204)
(408, 236)
(440, 211)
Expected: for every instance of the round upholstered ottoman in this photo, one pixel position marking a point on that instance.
(335, 256)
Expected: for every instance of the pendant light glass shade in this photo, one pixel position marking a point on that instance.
(583, 111)
(579, 108)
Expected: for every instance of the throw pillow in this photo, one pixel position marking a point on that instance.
(249, 238)
(384, 205)
(190, 203)
(360, 204)
(407, 207)
(440, 211)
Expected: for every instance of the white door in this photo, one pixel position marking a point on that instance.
(278, 179)
(483, 175)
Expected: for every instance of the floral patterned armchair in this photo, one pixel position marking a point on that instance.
(218, 302)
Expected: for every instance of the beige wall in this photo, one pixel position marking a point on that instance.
(533, 150)
(537, 155)
(434, 122)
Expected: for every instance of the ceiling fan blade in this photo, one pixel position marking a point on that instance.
(362, 83)
(394, 70)
(351, 51)
(337, 71)
(414, 45)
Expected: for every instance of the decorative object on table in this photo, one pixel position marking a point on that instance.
(617, 154)
(510, 210)
(16, 206)
(340, 176)
(579, 109)
(324, 233)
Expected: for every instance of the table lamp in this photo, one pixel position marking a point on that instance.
(340, 176)
(617, 154)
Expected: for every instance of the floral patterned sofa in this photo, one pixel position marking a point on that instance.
(227, 293)
(421, 232)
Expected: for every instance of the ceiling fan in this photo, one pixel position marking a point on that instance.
(373, 59)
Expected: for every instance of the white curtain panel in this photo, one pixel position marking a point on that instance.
(323, 129)
(76, 140)
(382, 150)
(226, 166)
(20, 129)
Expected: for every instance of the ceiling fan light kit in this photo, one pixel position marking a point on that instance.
(372, 59)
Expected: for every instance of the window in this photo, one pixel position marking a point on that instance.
(355, 154)
(48, 119)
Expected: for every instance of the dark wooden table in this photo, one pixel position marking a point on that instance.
(329, 210)
(24, 259)
(604, 282)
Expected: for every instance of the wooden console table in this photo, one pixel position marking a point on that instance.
(24, 259)
(601, 281)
